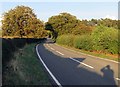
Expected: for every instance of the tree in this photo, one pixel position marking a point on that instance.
(104, 22)
(21, 22)
(65, 23)
(61, 24)
(81, 29)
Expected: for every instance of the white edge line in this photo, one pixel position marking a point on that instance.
(82, 63)
(57, 82)
(56, 51)
(59, 52)
(90, 55)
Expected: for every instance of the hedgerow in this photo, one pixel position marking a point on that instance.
(102, 39)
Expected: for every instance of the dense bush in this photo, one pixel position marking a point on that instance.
(102, 39)
(77, 41)
(66, 40)
(105, 39)
(83, 42)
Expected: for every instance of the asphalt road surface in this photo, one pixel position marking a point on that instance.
(68, 67)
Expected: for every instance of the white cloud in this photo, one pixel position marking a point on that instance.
(111, 17)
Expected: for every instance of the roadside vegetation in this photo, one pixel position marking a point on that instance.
(98, 40)
(21, 30)
(95, 36)
(21, 66)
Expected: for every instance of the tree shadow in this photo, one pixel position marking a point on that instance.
(9, 47)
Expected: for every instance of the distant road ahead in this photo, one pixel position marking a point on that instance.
(68, 67)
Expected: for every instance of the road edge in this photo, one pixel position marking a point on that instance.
(50, 73)
(89, 54)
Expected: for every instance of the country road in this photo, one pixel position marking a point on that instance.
(67, 67)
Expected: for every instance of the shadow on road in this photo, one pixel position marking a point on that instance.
(68, 73)
(108, 73)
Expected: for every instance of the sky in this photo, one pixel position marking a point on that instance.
(59, 0)
(82, 10)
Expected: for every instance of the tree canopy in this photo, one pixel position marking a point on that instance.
(65, 23)
(22, 22)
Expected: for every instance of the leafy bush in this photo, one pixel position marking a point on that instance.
(102, 39)
(105, 39)
(83, 42)
(65, 40)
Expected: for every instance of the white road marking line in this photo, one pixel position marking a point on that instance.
(52, 49)
(47, 45)
(57, 82)
(59, 52)
(75, 60)
(117, 79)
(82, 63)
(89, 55)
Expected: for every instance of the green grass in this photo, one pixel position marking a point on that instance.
(26, 68)
(101, 55)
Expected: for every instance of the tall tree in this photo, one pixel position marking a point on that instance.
(65, 23)
(21, 22)
(61, 24)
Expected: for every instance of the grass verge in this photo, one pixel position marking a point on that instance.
(26, 68)
(101, 55)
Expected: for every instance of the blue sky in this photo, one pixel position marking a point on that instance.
(59, 0)
(82, 10)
